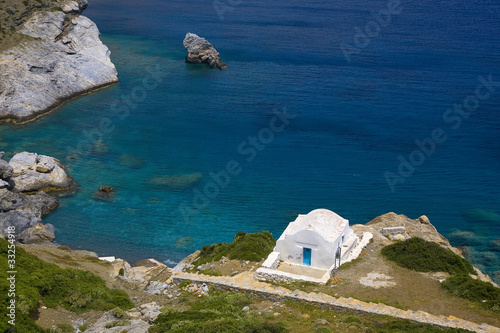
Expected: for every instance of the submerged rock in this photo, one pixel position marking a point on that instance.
(201, 51)
(177, 181)
(464, 238)
(495, 245)
(105, 193)
(183, 242)
(479, 215)
(100, 148)
(131, 161)
(62, 57)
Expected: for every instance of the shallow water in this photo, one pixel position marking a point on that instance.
(352, 122)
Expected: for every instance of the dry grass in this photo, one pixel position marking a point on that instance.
(13, 13)
(413, 290)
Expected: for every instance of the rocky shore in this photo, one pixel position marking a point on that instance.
(60, 57)
(24, 202)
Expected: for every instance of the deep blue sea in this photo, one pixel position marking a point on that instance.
(355, 119)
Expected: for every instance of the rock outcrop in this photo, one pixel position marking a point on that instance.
(201, 51)
(28, 172)
(137, 320)
(33, 172)
(420, 227)
(61, 57)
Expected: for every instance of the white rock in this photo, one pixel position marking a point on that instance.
(39, 73)
(32, 172)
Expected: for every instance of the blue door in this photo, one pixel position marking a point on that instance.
(306, 256)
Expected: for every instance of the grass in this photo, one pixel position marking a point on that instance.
(423, 256)
(483, 293)
(252, 247)
(38, 281)
(217, 313)
(222, 312)
(13, 13)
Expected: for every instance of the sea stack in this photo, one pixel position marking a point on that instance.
(201, 51)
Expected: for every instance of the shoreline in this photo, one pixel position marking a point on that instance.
(53, 108)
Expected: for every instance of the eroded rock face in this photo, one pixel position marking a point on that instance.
(22, 213)
(36, 234)
(33, 172)
(63, 58)
(201, 51)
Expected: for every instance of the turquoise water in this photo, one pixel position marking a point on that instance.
(352, 121)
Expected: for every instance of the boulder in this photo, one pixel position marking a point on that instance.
(10, 200)
(33, 172)
(40, 204)
(19, 220)
(36, 234)
(103, 325)
(6, 170)
(201, 51)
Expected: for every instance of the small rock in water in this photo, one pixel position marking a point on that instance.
(105, 193)
(201, 51)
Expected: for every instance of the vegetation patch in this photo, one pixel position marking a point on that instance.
(477, 291)
(217, 313)
(36, 280)
(117, 323)
(252, 247)
(404, 326)
(423, 256)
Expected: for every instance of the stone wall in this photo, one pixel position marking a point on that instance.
(245, 285)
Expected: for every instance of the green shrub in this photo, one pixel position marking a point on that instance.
(252, 247)
(404, 326)
(217, 313)
(65, 328)
(121, 272)
(119, 313)
(351, 319)
(37, 280)
(117, 323)
(423, 256)
(185, 283)
(477, 291)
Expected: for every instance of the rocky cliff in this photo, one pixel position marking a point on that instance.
(23, 203)
(59, 56)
